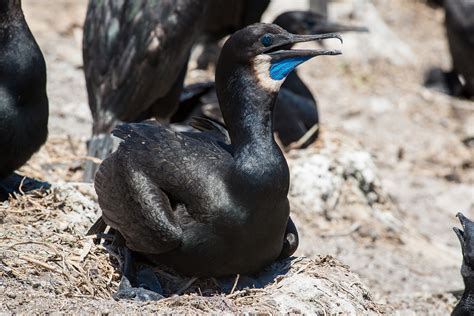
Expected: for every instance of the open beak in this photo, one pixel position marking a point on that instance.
(459, 232)
(280, 51)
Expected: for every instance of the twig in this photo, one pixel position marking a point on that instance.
(41, 264)
(20, 188)
(298, 144)
(86, 250)
(235, 284)
(74, 158)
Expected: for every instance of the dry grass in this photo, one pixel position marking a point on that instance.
(61, 159)
(42, 237)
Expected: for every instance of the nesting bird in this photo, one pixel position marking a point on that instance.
(211, 203)
(23, 98)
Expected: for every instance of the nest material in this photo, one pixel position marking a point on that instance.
(42, 244)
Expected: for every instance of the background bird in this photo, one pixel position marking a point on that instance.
(459, 23)
(23, 98)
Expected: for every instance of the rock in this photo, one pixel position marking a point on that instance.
(336, 171)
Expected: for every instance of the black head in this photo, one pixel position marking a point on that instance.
(310, 22)
(466, 238)
(264, 50)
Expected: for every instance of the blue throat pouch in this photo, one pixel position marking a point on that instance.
(281, 68)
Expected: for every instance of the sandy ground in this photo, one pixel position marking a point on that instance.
(371, 95)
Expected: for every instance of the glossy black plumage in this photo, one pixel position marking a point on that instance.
(459, 25)
(465, 306)
(212, 203)
(23, 98)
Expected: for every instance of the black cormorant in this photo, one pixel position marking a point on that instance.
(210, 203)
(459, 24)
(465, 306)
(23, 98)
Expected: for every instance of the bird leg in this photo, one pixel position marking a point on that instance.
(135, 285)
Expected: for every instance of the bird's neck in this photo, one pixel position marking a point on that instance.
(247, 109)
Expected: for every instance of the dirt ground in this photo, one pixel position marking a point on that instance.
(370, 96)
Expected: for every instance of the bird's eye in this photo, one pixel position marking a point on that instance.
(267, 40)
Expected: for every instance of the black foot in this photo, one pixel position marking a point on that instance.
(16, 183)
(127, 292)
